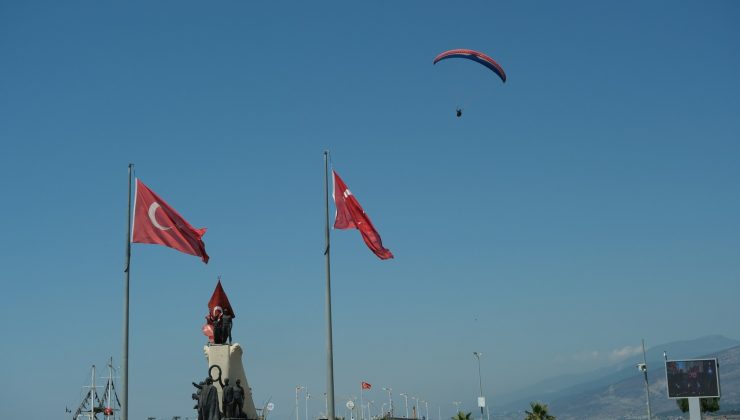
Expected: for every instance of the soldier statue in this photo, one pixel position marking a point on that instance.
(238, 398)
(208, 403)
(227, 401)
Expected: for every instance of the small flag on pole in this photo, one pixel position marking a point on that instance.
(351, 215)
(366, 385)
(155, 222)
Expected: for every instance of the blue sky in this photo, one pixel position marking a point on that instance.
(587, 203)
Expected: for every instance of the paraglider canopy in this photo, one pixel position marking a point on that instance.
(474, 56)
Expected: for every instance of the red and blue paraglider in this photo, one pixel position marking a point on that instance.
(476, 56)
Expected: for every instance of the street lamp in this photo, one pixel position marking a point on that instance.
(426, 405)
(642, 367)
(481, 399)
(457, 406)
(406, 402)
(390, 399)
(297, 413)
(307, 397)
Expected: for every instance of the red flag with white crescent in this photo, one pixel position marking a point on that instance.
(219, 301)
(351, 215)
(155, 222)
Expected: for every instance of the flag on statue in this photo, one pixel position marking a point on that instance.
(219, 300)
(366, 385)
(351, 215)
(218, 307)
(155, 222)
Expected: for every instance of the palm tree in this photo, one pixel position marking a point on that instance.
(539, 412)
(462, 416)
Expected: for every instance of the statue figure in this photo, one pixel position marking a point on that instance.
(219, 318)
(228, 399)
(215, 321)
(226, 325)
(238, 398)
(196, 394)
(208, 404)
(218, 327)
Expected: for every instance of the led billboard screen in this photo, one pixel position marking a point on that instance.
(692, 378)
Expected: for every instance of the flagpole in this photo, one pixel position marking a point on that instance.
(362, 412)
(127, 270)
(329, 345)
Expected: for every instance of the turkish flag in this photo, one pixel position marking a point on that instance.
(366, 385)
(351, 215)
(155, 222)
(220, 301)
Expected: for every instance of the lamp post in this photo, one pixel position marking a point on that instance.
(406, 403)
(297, 390)
(426, 404)
(307, 397)
(481, 400)
(390, 399)
(643, 368)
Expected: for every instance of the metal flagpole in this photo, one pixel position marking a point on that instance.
(362, 413)
(329, 345)
(127, 272)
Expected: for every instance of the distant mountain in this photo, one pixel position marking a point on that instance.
(618, 391)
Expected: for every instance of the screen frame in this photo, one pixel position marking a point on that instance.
(716, 365)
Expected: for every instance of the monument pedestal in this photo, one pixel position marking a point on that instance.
(228, 357)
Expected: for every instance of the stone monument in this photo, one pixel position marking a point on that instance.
(225, 359)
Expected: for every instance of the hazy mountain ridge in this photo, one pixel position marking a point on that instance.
(618, 391)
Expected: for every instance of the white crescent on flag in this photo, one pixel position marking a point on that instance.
(153, 217)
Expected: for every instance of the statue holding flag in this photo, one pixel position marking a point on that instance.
(218, 321)
(226, 360)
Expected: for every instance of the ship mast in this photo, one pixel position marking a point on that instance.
(91, 413)
(110, 386)
(92, 395)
